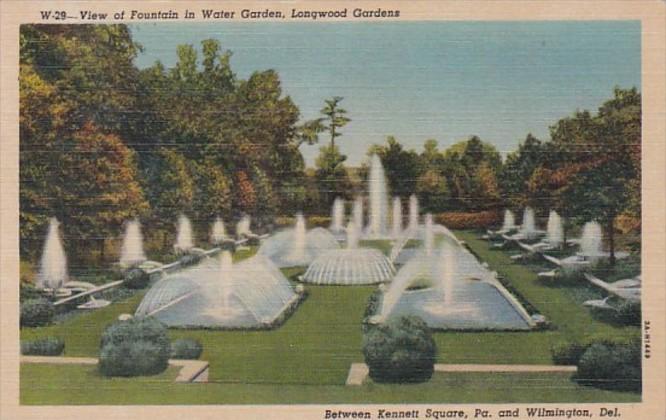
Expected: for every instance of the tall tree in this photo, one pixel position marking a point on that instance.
(335, 117)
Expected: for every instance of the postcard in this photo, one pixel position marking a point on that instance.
(333, 210)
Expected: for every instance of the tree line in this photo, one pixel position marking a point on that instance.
(102, 141)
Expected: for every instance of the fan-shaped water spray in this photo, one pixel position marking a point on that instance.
(396, 219)
(131, 252)
(216, 294)
(413, 212)
(554, 229)
(378, 198)
(337, 215)
(53, 265)
(280, 246)
(217, 233)
(591, 240)
(184, 236)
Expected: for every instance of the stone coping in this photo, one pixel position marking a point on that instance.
(190, 370)
(358, 372)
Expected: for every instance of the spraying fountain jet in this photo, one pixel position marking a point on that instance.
(397, 218)
(337, 215)
(413, 213)
(590, 241)
(184, 237)
(53, 265)
(218, 233)
(243, 226)
(225, 287)
(378, 198)
(352, 236)
(428, 239)
(509, 221)
(528, 229)
(297, 254)
(131, 253)
(555, 233)
(357, 213)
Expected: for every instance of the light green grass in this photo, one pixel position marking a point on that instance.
(82, 385)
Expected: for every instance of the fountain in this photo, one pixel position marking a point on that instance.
(378, 204)
(509, 222)
(555, 234)
(217, 233)
(590, 241)
(53, 265)
(297, 254)
(350, 266)
(357, 213)
(216, 294)
(413, 213)
(451, 290)
(352, 236)
(131, 253)
(396, 218)
(337, 215)
(243, 226)
(428, 236)
(184, 237)
(528, 229)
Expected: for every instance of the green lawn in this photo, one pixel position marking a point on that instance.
(307, 358)
(82, 385)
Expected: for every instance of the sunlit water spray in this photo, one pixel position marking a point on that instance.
(357, 213)
(413, 212)
(243, 226)
(337, 215)
(591, 239)
(396, 219)
(378, 198)
(131, 252)
(184, 236)
(53, 265)
(509, 221)
(554, 229)
(528, 229)
(217, 233)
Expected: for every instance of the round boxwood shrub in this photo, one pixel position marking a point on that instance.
(611, 366)
(629, 313)
(136, 278)
(49, 346)
(399, 351)
(138, 346)
(567, 353)
(186, 348)
(36, 312)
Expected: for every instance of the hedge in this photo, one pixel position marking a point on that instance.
(49, 346)
(186, 348)
(471, 220)
(36, 312)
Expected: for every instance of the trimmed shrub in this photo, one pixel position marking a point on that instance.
(611, 366)
(36, 312)
(49, 346)
(136, 278)
(373, 304)
(186, 348)
(139, 346)
(473, 220)
(565, 353)
(629, 313)
(400, 351)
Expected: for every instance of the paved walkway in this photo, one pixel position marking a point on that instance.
(190, 370)
(359, 371)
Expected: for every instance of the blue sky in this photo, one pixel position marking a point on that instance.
(421, 80)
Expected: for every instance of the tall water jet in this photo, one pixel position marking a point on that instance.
(243, 226)
(590, 241)
(447, 272)
(225, 288)
(131, 252)
(396, 219)
(413, 212)
(217, 232)
(509, 221)
(357, 213)
(377, 191)
(352, 236)
(337, 215)
(53, 265)
(428, 238)
(184, 236)
(297, 253)
(554, 229)
(528, 229)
